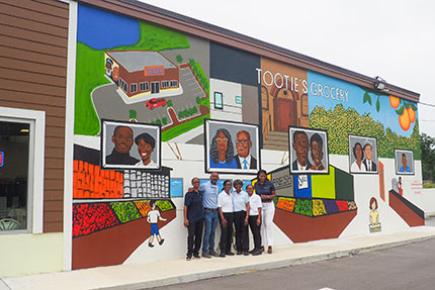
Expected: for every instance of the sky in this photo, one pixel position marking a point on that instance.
(391, 39)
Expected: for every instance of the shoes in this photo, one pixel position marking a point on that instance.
(222, 255)
(188, 257)
(256, 253)
(196, 255)
(239, 253)
(213, 253)
(252, 251)
(262, 249)
(245, 253)
(269, 250)
(205, 255)
(161, 241)
(150, 245)
(229, 253)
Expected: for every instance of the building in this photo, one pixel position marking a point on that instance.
(60, 211)
(141, 72)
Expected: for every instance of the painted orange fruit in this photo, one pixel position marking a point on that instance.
(404, 120)
(411, 114)
(394, 102)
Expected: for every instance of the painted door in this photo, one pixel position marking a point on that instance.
(285, 113)
(155, 88)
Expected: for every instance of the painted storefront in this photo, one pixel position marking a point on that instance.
(136, 72)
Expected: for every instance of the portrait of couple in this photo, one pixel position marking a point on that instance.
(363, 157)
(308, 151)
(130, 145)
(232, 147)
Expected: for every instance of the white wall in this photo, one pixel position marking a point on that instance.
(24, 254)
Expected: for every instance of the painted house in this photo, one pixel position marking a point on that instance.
(60, 210)
(140, 72)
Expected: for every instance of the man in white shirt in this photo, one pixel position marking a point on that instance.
(226, 209)
(241, 217)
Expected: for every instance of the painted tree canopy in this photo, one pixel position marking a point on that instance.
(341, 122)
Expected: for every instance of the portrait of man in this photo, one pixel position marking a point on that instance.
(300, 145)
(118, 139)
(369, 163)
(145, 147)
(243, 158)
(404, 161)
(122, 140)
(308, 151)
(231, 147)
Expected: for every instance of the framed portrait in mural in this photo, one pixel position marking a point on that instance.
(404, 162)
(308, 150)
(363, 155)
(126, 145)
(231, 147)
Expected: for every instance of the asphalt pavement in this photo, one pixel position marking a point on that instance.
(410, 266)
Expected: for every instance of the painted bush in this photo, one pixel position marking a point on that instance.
(92, 217)
(341, 122)
(304, 207)
(164, 205)
(125, 211)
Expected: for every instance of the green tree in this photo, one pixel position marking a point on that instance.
(427, 156)
(179, 58)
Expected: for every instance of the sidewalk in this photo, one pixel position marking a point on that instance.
(180, 271)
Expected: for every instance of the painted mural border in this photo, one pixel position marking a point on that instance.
(349, 156)
(289, 152)
(408, 151)
(131, 168)
(240, 172)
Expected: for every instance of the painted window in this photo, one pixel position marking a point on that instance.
(22, 174)
(123, 85)
(174, 84)
(238, 100)
(218, 100)
(165, 84)
(144, 86)
(133, 88)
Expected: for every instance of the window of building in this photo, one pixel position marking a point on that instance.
(133, 88)
(238, 100)
(218, 100)
(21, 170)
(165, 84)
(174, 84)
(144, 86)
(123, 85)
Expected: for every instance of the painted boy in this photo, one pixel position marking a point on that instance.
(153, 217)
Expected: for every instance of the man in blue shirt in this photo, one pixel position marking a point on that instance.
(209, 200)
(405, 167)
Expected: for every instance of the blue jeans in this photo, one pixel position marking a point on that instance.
(211, 221)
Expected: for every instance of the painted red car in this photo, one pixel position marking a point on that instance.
(155, 103)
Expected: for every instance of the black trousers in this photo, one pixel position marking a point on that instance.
(242, 237)
(226, 232)
(255, 229)
(194, 236)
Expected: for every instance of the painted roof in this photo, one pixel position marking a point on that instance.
(134, 61)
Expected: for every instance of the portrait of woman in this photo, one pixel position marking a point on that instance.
(222, 150)
(357, 165)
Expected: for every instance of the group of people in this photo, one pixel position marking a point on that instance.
(363, 158)
(122, 140)
(233, 208)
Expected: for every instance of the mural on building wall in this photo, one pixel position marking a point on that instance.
(159, 85)
(128, 69)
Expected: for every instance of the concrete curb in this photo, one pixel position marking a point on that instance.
(263, 266)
